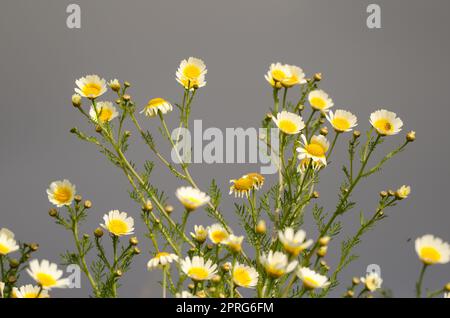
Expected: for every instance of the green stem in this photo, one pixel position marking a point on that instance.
(419, 282)
(333, 144)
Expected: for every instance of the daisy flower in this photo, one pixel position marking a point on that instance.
(30, 291)
(289, 123)
(200, 233)
(432, 250)
(372, 281)
(304, 164)
(311, 279)
(294, 242)
(217, 233)
(284, 75)
(185, 294)
(234, 242)
(191, 198)
(342, 120)
(385, 122)
(161, 259)
(403, 192)
(47, 275)
(114, 84)
(91, 86)
(118, 223)
(241, 187)
(61, 193)
(277, 264)
(7, 242)
(156, 105)
(320, 100)
(245, 276)
(191, 73)
(197, 269)
(106, 112)
(316, 149)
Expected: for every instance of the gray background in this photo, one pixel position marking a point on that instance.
(404, 67)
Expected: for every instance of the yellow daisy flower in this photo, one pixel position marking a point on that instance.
(304, 164)
(161, 259)
(7, 242)
(311, 279)
(294, 242)
(197, 269)
(61, 193)
(191, 73)
(320, 100)
(403, 192)
(242, 186)
(277, 264)
(191, 198)
(432, 250)
(47, 275)
(200, 233)
(29, 291)
(385, 122)
(106, 112)
(91, 86)
(245, 276)
(316, 149)
(234, 242)
(217, 233)
(285, 75)
(156, 105)
(372, 281)
(118, 223)
(342, 120)
(289, 123)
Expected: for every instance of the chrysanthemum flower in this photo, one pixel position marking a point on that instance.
(61, 193)
(118, 223)
(7, 242)
(242, 186)
(197, 269)
(161, 259)
(47, 275)
(403, 192)
(191, 198)
(91, 86)
(372, 281)
(114, 84)
(342, 120)
(277, 264)
(285, 75)
(200, 233)
(106, 112)
(185, 294)
(217, 233)
(320, 100)
(316, 149)
(156, 105)
(294, 242)
(304, 164)
(234, 242)
(29, 291)
(289, 123)
(311, 279)
(191, 73)
(432, 250)
(385, 122)
(245, 276)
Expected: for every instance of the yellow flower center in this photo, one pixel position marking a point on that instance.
(384, 126)
(62, 194)
(4, 249)
(278, 75)
(318, 102)
(242, 277)
(243, 184)
(92, 89)
(287, 126)
(274, 271)
(219, 236)
(259, 179)
(105, 114)
(161, 254)
(118, 227)
(155, 102)
(192, 71)
(340, 123)
(30, 295)
(46, 280)
(315, 150)
(430, 255)
(198, 273)
(310, 283)
(293, 250)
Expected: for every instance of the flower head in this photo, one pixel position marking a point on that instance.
(234, 242)
(200, 233)
(277, 264)
(197, 269)
(372, 281)
(29, 291)
(61, 193)
(432, 250)
(191, 73)
(284, 75)
(316, 149)
(7, 242)
(294, 242)
(342, 120)
(114, 84)
(91, 86)
(320, 100)
(289, 123)
(242, 186)
(306, 162)
(217, 233)
(156, 105)
(47, 275)
(403, 192)
(385, 122)
(191, 198)
(161, 259)
(118, 223)
(105, 112)
(245, 276)
(311, 279)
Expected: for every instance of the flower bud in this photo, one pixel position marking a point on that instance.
(222, 295)
(216, 279)
(322, 251)
(126, 97)
(168, 208)
(98, 232)
(411, 136)
(115, 85)
(14, 263)
(86, 236)
(324, 131)
(148, 206)
(118, 273)
(323, 241)
(52, 212)
(76, 100)
(201, 294)
(126, 84)
(226, 267)
(118, 101)
(318, 77)
(391, 192)
(350, 293)
(269, 116)
(301, 107)
(191, 286)
(315, 195)
(77, 198)
(356, 281)
(34, 247)
(134, 241)
(261, 227)
(383, 194)
(98, 129)
(447, 287)
(87, 204)
(356, 134)
(12, 279)
(136, 250)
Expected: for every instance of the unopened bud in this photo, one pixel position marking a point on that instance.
(322, 251)
(191, 286)
(98, 232)
(216, 279)
(447, 287)
(383, 194)
(115, 85)
(391, 193)
(12, 279)
(118, 273)
(318, 77)
(34, 247)
(77, 198)
(226, 267)
(261, 227)
(126, 84)
(118, 101)
(136, 250)
(168, 209)
(86, 236)
(76, 100)
(87, 204)
(356, 134)
(134, 241)
(324, 131)
(52, 212)
(222, 295)
(411, 136)
(323, 241)
(356, 281)
(14, 263)
(269, 116)
(350, 293)
(126, 97)
(315, 195)
(148, 206)
(98, 129)
(201, 294)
